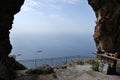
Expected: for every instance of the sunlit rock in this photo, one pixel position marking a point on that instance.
(107, 29)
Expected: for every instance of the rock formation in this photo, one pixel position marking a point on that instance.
(8, 8)
(107, 29)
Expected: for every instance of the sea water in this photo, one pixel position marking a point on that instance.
(40, 46)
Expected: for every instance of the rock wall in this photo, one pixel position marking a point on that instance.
(8, 8)
(107, 29)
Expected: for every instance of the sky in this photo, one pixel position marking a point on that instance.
(71, 18)
(54, 17)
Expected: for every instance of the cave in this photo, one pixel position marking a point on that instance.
(106, 33)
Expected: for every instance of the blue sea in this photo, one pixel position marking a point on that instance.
(40, 46)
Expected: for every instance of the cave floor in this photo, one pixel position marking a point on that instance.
(79, 72)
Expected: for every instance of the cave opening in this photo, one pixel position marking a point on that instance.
(106, 33)
(68, 24)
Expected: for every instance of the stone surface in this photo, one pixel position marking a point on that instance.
(107, 29)
(44, 69)
(8, 8)
(78, 72)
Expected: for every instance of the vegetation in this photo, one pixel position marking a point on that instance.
(80, 62)
(63, 66)
(90, 61)
(54, 75)
(95, 65)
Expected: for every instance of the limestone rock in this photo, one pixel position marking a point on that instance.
(107, 29)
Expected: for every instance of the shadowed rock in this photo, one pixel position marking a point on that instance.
(8, 8)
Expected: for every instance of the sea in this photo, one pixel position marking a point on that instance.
(40, 46)
(33, 50)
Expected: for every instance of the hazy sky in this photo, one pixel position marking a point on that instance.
(54, 17)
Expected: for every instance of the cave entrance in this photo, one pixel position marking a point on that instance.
(52, 25)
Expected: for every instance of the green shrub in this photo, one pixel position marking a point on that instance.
(80, 62)
(95, 66)
(54, 75)
(90, 61)
(63, 66)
